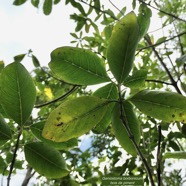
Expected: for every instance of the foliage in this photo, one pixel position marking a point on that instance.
(143, 98)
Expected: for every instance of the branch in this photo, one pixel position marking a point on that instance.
(28, 176)
(14, 157)
(59, 98)
(159, 43)
(158, 81)
(131, 136)
(96, 8)
(162, 11)
(164, 66)
(159, 156)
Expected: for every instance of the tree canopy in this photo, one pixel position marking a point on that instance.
(134, 120)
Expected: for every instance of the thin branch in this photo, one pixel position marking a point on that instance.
(14, 157)
(159, 156)
(158, 81)
(28, 176)
(174, 83)
(96, 8)
(131, 136)
(159, 43)
(162, 11)
(59, 98)
(115, 7)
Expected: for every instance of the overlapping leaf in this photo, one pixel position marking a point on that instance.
(17, 92)
(175, 155)
(77, 66)
(119, 129)
(108, 92)
(74, 118)
(37, 131)
(166, 106)
(46, 160)
(5, 132)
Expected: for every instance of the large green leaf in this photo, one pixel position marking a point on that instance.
(122, 46)
(78, 66)
(108, 92)
(137, 79)
(46, 160)
(5, 132)
(74, 118)
(166, 106)
(17, 92)
(37, 131)
(120, 131)
(175, 155)
(143, 19)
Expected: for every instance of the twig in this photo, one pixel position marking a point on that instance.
(174, 83)
(28, 176)
(59, 98)
(104, 12)
(115, 7)
(159, 156)
(162, 11)
(159, 43)
(158, 81)
(131, 136)
(14, 157)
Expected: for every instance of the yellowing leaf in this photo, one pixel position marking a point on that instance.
(48, 93)
(166, 106)
(74, 118)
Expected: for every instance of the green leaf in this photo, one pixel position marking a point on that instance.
(19, 2)
(122, 46)
(17, 92)
(183, 86)
(19, 57)
(77, 66)
(35, 61)
(143, 19)
(175, 155)
(166, 106)
(78, 6)
(35, 3)
(108, 92)
(160, 40)
(47, 7)
(2, 65)
(56, 1)
(2, 165)
(181, 60)
(97, 5)
(46, 160)
(137, 79)
(37, 131)
(5, 132)
(74, 118)
(120, 131)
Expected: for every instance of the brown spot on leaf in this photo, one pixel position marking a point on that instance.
(181, 114)
(58, 118)
(173, 115)
(59, 124)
